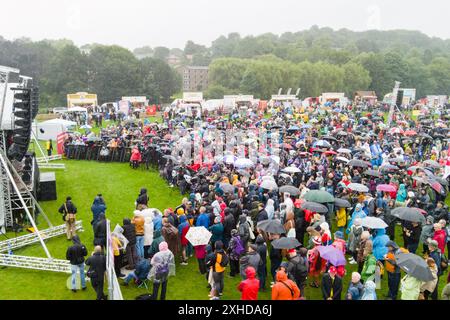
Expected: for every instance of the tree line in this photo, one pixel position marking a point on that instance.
(59, 67)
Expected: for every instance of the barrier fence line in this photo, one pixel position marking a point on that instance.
(114, 292)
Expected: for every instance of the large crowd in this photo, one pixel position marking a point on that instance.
(289, 201)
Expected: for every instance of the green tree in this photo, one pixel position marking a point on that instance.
(115, 72)
(355, 78)
(161, 53)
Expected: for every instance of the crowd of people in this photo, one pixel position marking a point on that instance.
(295, 210)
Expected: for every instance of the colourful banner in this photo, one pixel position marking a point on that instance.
(60, 138)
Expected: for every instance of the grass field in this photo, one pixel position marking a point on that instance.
(119, 185)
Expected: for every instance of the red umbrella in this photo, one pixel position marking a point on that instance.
(331, 152)
(386, 188)
(436, 186)
(410, 133)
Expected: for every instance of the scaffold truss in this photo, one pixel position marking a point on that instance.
(35, 263)
(32, 238)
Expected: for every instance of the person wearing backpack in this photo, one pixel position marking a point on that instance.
(163, 266)
(251, 259)
(235, 250)
(244, 230)
(219, 263)
(297, 268)
(69, 212)
(284, 288)
(75, 254)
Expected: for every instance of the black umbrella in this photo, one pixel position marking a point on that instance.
(286, 243)
(409, 214)
(357, 163)
(425, 136)
(329, 138)
(342, 203)
(414, 265)
(271, 226)
(314, 207)
(293, 191)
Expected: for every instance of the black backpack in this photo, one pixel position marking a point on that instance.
(225, 260)
(301, 269)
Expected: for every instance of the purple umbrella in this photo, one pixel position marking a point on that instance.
(332, 255)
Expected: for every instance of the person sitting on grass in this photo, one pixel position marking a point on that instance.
(140, 274)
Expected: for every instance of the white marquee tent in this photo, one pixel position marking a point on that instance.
(51, 128)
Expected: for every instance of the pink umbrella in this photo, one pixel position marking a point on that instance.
(386, 188)
(396, 131)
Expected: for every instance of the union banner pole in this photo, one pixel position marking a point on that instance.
(393, 102)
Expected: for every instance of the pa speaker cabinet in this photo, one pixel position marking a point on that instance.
(47, 186)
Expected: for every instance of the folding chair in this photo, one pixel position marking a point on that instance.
(144, 283)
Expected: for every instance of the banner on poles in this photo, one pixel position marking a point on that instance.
(60, 138)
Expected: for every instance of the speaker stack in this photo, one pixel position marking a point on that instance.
(47, 186)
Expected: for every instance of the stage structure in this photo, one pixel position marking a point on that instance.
(19, 103)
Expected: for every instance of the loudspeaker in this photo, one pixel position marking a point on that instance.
(399, 101)
(47, 186)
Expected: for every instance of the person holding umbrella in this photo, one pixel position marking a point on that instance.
(412, 235)
(392, 269)
(410, 288)
(316, 263)
(429, 287)
(275, 257)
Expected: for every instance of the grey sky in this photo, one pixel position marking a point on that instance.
(135, 23)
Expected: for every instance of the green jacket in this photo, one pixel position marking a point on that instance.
(368, 271)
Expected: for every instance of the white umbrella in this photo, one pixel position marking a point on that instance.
(229, 159)
(344, 150)
(373, 223)
(268, 178)
(342, 159)
(275, 159)
(243, 163)
(358, 187)
(85, 126)
(198, 236)
(291, 170)
(269, 185)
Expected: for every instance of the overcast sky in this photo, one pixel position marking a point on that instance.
(135, 23)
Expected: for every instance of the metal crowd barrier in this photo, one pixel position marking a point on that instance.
(86, 152)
